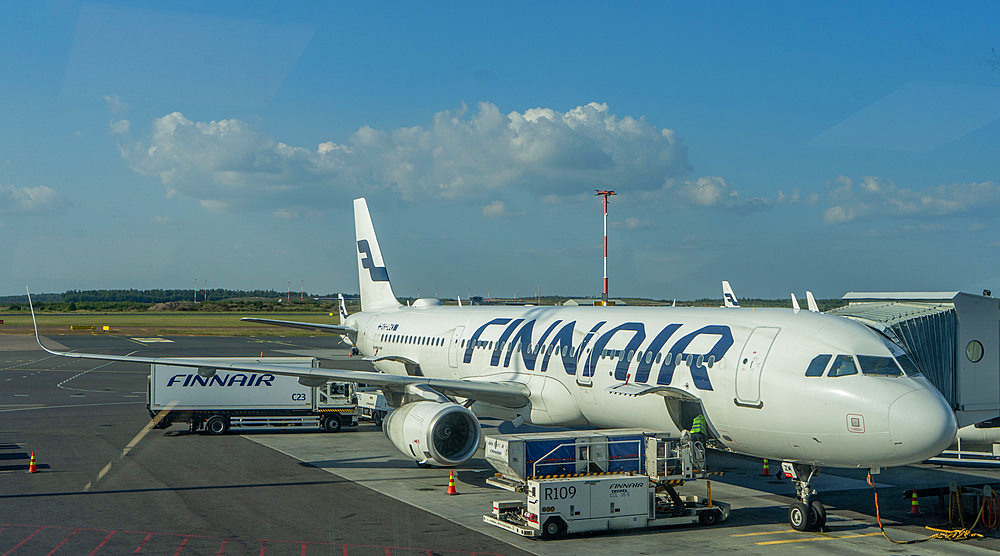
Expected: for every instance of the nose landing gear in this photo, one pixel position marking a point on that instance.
(806, 513)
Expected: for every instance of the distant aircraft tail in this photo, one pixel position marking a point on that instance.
(811, 302)
(343, 308)
(728, 297)
(376, 292)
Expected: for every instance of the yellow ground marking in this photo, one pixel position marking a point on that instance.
(819, 537)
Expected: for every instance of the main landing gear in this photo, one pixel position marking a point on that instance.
(806, 513)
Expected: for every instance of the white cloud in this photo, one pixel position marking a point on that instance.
(873, 197)
(631, 223)
(28, 200)
(458, 155)
(285, 214)
(713, 192)
(121, 127)
(498, 209)
(976, 227)
(115, 104)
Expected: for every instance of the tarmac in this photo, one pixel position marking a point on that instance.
(108, 484)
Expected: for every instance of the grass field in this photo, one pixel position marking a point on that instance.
(161, 324)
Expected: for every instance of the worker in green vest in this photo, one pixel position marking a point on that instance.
(699, 429)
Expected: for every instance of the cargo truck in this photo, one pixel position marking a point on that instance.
(247, 401)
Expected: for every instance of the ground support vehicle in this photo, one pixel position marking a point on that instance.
(372, 405)
(216, 402)
(597, 499)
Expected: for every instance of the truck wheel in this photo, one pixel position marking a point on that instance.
(331, 423)
(708, 518)
(553, 528)
(377, 417)
(217, 424)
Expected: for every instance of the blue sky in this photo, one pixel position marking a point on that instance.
(783, 147)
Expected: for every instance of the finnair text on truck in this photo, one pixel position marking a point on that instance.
(220, 379)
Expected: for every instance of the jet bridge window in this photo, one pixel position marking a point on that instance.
(818, 365)
(879, 366)
(908, 366)
(843, 365)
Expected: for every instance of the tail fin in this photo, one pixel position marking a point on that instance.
(376, 292)
(795, 304)
(343, 308)
(728, 297)
(811, 301)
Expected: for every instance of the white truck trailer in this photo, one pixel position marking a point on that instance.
(603, 480)
(247, 401)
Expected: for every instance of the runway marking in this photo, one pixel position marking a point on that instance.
(28, 538)
(101, 366)
(152, 340)
(58, 546)
(26, 363)
(818, 537)
(106, 539)
(65, 406)
(138, 549)
(763, 533)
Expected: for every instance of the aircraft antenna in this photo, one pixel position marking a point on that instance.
(605, 194)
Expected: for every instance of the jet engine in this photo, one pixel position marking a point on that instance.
(436, 433)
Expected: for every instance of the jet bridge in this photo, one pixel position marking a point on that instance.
(954, 338)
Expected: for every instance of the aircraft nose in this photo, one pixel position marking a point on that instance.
(921, 425)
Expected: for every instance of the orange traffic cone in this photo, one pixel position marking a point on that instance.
(451, 483)
(31, 464)
(914, 505)
(766, 472)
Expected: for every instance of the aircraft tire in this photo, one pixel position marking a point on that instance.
(818, 515)
(799, 516)
(377, 417)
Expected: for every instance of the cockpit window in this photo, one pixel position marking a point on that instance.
(843, 365)
(908, 366)
(818, 365)
(879, 366)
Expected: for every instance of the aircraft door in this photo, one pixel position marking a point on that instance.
(582, 378)
(454, 348)
(750, 365)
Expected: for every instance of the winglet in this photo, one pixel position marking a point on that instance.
(38, 337)
(811, 301)
(795, 304)
(459, 298)
(728, 297)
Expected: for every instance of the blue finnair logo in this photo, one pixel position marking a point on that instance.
(732, 301)
(516, 338)
(377, 273)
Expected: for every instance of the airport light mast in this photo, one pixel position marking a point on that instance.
(605, 194)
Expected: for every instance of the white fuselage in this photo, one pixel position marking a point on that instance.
(747, 366)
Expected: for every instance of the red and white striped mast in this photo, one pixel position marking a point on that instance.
(605, 194)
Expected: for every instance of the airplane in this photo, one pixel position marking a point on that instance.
(809, 389)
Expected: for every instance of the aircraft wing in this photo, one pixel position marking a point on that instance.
(507, 394)
(320, 327)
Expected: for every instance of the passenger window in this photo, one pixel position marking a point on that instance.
(879, 366)
(649, 357)
(843, 365)
(818, 365)
(658, 357)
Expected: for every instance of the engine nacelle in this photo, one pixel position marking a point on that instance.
(437, 433)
